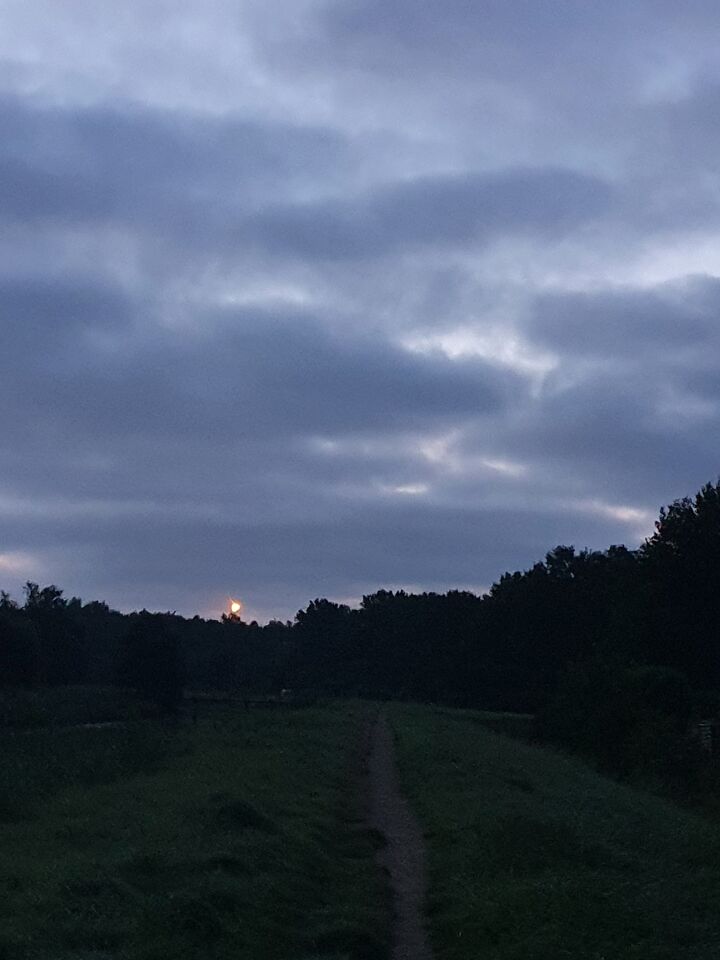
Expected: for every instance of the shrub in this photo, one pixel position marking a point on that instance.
(633, 720)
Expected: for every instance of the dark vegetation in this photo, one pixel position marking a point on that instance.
(614, 652)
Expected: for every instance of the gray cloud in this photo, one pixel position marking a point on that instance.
(159, 168)
(438, 211)
(373, 294)
(632, 435)
(210, 182)
(659, 322)
(246, 371)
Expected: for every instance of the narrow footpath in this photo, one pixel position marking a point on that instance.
(404, 853)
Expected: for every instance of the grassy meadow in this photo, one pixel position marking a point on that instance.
(242, 836)
(239, 837)
(534, 856)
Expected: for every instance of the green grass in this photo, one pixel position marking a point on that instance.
(534, 856)
(39, 764)
(518, 725)
(240, 838)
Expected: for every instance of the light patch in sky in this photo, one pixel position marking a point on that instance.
(638, 519)
(507, 467)
(438, 450)
(324, 445)
(407, 489)
(268, 295)
(671, 80)
(676, 258)
(19, 564)
(504, 347)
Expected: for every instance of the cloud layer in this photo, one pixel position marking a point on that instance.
(369, 294)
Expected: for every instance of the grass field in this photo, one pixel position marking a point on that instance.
(533, 856)
(240, 838)
(40, 764)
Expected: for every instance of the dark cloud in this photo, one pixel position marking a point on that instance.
(248, 372)
(379, 293)
(437, 211)
(40, 314)
(199, 180)
(627, 435)
(632, 323)
(160, 168)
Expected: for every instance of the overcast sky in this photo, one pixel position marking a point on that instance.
(312, 297)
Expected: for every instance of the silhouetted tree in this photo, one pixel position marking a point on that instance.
(19, 647)
(682, 571)
(151, 661)
(323, 646)
(62, 657)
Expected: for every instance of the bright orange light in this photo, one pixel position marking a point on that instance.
(235, 606)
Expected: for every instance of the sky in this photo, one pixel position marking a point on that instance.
(314, 297)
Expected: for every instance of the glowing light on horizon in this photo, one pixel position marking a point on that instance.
(236, 607)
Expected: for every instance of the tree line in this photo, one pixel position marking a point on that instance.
(580, 631)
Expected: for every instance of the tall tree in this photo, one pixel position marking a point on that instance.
(682, 562)
(63, 657)
(151, 663)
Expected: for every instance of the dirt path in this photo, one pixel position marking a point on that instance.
(404, 854)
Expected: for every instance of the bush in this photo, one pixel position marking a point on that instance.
(633, 720)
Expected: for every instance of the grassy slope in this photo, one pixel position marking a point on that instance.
(242, 841)
(534, 856)
(37, 765)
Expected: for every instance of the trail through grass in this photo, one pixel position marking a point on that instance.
(533, 856)
(242, 838)
(403, 855)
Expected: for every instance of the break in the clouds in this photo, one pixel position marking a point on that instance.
(311, 299)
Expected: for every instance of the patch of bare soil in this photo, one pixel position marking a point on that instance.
(403, 856)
